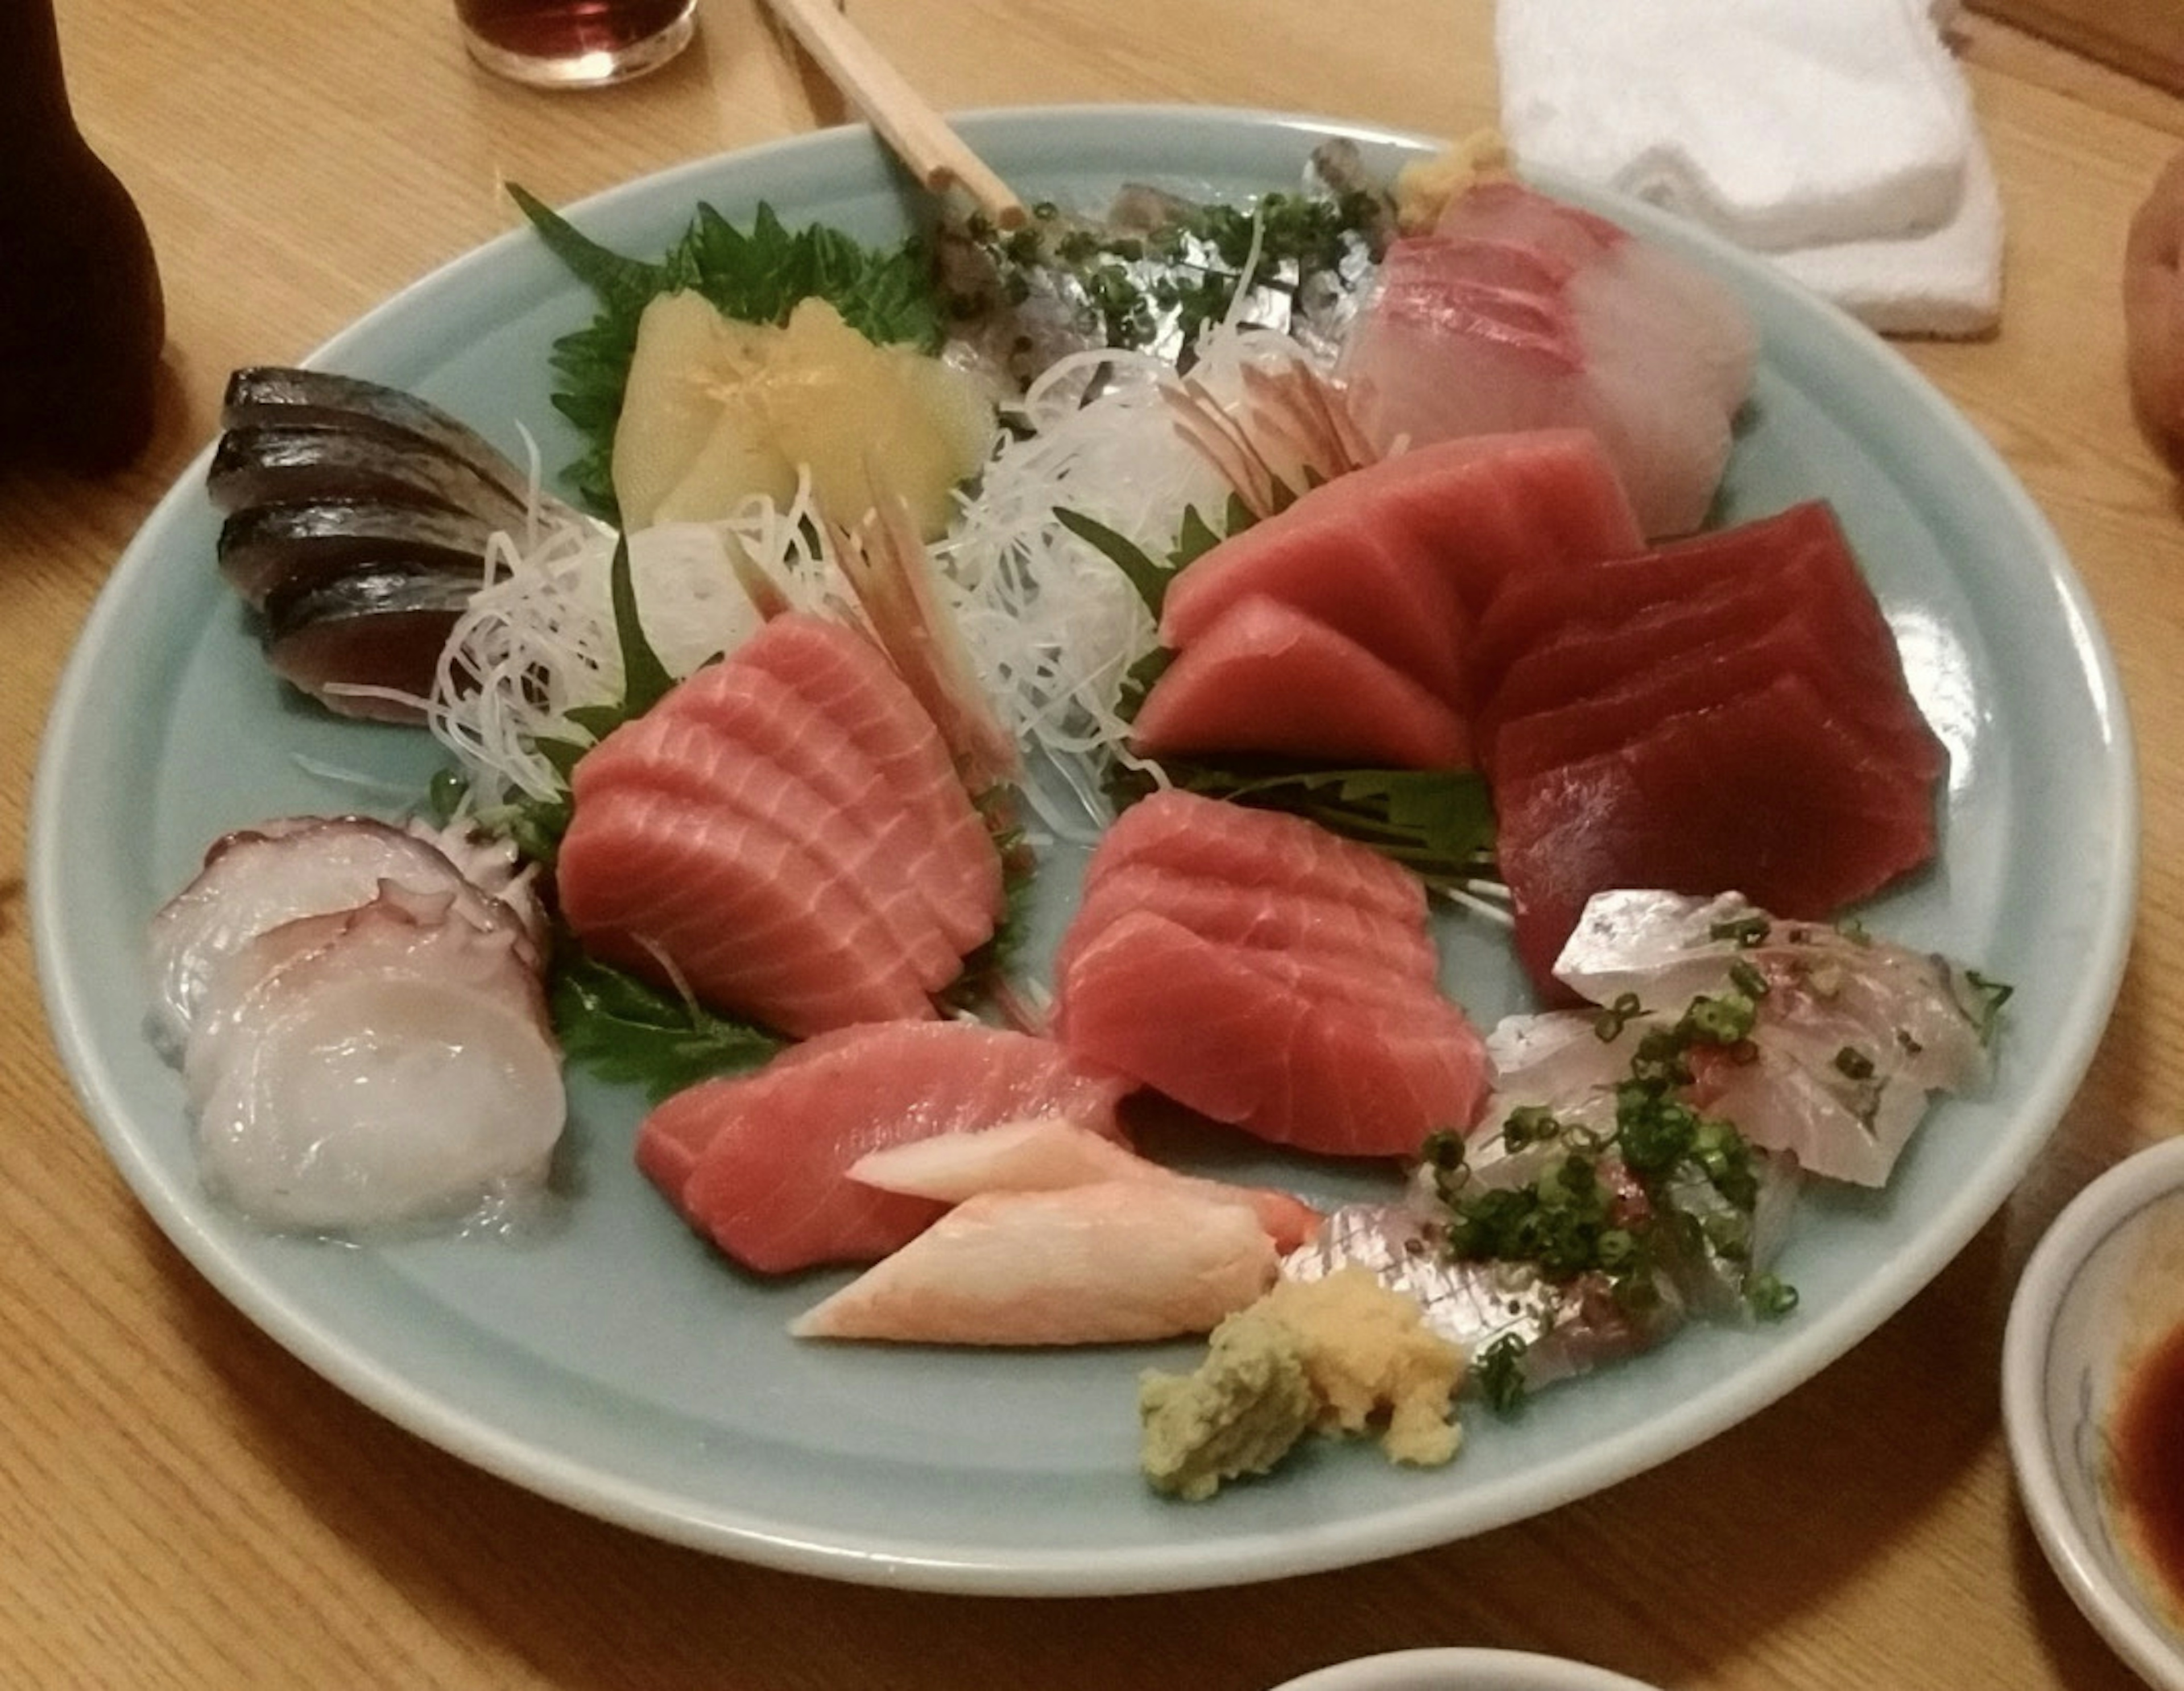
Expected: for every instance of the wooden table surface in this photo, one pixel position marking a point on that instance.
(181, 1503)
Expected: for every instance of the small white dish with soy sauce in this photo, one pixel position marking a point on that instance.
(2092, 1395)
(1461, 1670)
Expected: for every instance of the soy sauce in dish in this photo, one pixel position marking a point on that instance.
(2148, 1448)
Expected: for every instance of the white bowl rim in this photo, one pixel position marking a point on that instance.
(1517, 1671)
(2142, 1179)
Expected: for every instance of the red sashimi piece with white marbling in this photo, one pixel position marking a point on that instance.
(1346, 1061)
(760, 1162)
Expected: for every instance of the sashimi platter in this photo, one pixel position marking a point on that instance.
(1322, 850)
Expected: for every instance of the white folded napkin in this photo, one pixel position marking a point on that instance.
(1835, 136)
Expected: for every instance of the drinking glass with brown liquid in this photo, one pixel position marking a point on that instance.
(575, 43)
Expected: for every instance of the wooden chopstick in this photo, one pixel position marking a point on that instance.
(918, 134)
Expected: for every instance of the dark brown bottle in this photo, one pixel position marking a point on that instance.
(82, 317)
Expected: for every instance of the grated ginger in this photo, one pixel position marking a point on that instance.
(1343, 1355)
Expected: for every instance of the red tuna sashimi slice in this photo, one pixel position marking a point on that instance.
(1867, 701)
(753, 923)
(665, 751)
(755, 708)
(1267, 678)
(1272, 1044)
(1771, 798)
(1655, 625)
(849, 679)
(1485, 509)
(770, 1185)
(1112, 1263)
(1209, 838)
(1044, 1154)
(1267, 917)
(1531, 607)
(1662, 354)
(1324, 557)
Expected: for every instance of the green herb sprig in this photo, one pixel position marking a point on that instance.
(1574, 1219)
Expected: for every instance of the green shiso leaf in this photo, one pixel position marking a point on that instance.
(629, 1033)
(1149, 575)
(1438, 822)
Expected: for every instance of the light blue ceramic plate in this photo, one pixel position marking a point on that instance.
(618, 1366)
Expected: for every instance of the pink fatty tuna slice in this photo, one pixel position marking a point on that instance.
(1767, 795)
(1345, 1061)
(681, 892)
(750, 706)
(1365, 551)
(1044, 1154)
(1214, 840)
(1333, 556)
(1114, 1262)
(1255, 914)
(1598, 330)
(844, 888)
(666, 751)
(760, 1162)
(846, 677)
(1268, 677)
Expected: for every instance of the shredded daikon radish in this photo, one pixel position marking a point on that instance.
(1052, 625)
(538, 640)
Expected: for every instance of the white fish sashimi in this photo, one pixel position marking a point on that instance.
(1928, 1011)
(1113, 1262)
(1563, 1327)
(1521, 312)
(1851, 1035)
(384, 1065)
(256, 879)
(1047, 1154)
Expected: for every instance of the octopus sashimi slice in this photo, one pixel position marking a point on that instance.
(387, 1064)
(749, 920)
(663, 751)
(1193, 835)
(758, 1163)
(1044, 1154)
(256, 879)
(1255, 914)
(1267, 676)
(757, 709)
(1115, 1262)
(1280, 1047)
(847, 677)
